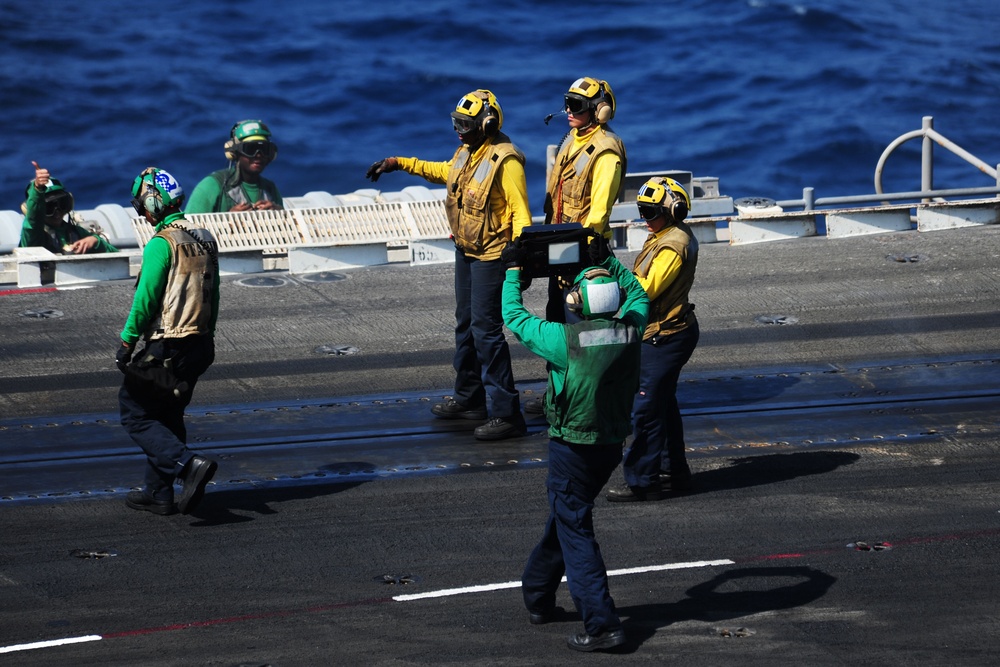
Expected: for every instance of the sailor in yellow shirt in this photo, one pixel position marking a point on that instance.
(655, 463)
(588, 175)
(487, 206)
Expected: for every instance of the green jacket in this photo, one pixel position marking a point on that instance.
(593, 364)
(35, 233)
(152, 284)
(220, 191)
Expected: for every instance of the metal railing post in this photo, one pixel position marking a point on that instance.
(808, 199)
(927, 157)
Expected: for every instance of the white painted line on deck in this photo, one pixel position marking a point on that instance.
(447, 592)
(484, 588)
(50, 644)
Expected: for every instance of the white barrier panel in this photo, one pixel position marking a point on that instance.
(80, 269)
(316, 258)
(867, 221)
(776, 228)
(932, 217)
(432, 251)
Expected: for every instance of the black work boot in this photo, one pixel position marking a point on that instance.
(195, 476)
(635, 494)
(501, 428)
(144, 500)
(455, 410)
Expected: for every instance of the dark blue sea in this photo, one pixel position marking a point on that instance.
(768, 96)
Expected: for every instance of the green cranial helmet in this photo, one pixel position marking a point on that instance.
(249, 137)
(250, 130)
(595, 293)
(156, 192)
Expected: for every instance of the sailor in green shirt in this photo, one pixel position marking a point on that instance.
(593, 376)
(47, 222)
(174, 311)
(240, 187)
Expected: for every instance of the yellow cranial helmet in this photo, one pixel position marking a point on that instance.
(478, 110)
(593, 94)
(663, 196)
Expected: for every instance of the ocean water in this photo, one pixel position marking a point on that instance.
(769, 96)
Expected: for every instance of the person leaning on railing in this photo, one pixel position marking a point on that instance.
(241, 186)
(47, 222)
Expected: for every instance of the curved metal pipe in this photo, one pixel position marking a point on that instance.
(929, 134)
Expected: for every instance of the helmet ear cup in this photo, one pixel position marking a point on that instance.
(491, 124)
(493, 116)
(603, 112)
(678, 208)
(153, 204)
(230, 148)
(574, 300)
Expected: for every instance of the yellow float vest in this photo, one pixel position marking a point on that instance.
(671, 311)
(569, 196)
(473, 225)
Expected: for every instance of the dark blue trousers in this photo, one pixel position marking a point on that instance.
(482, 356)
(657, 425)
(577, 473)
(157, 426)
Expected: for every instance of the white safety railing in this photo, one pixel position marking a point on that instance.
(926, 193)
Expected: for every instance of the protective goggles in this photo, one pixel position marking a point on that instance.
(57, 205)
(255, 148)
(649, 211)
(139, 206)
(463, 125)
(576, 104)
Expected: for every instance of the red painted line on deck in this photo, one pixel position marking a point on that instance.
(28, 290)
(247, 617)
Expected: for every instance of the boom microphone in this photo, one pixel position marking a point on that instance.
(552, 115)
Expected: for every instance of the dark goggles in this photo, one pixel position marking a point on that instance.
(255, 148)
(57, 205)
(139, 207)
(576, 104)
(463, 125)
(650, 212)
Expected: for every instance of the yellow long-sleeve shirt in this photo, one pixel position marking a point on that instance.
(508, 202)
(665, 267)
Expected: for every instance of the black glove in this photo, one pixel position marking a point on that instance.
(381, 167)
(598, 250)
(123, 355)
(513, 254)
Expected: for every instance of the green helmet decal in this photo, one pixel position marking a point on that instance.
(156, 191)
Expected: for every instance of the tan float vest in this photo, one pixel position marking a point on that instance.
(671, 311)
(569, 185)
(187, 299)
(473, 225)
